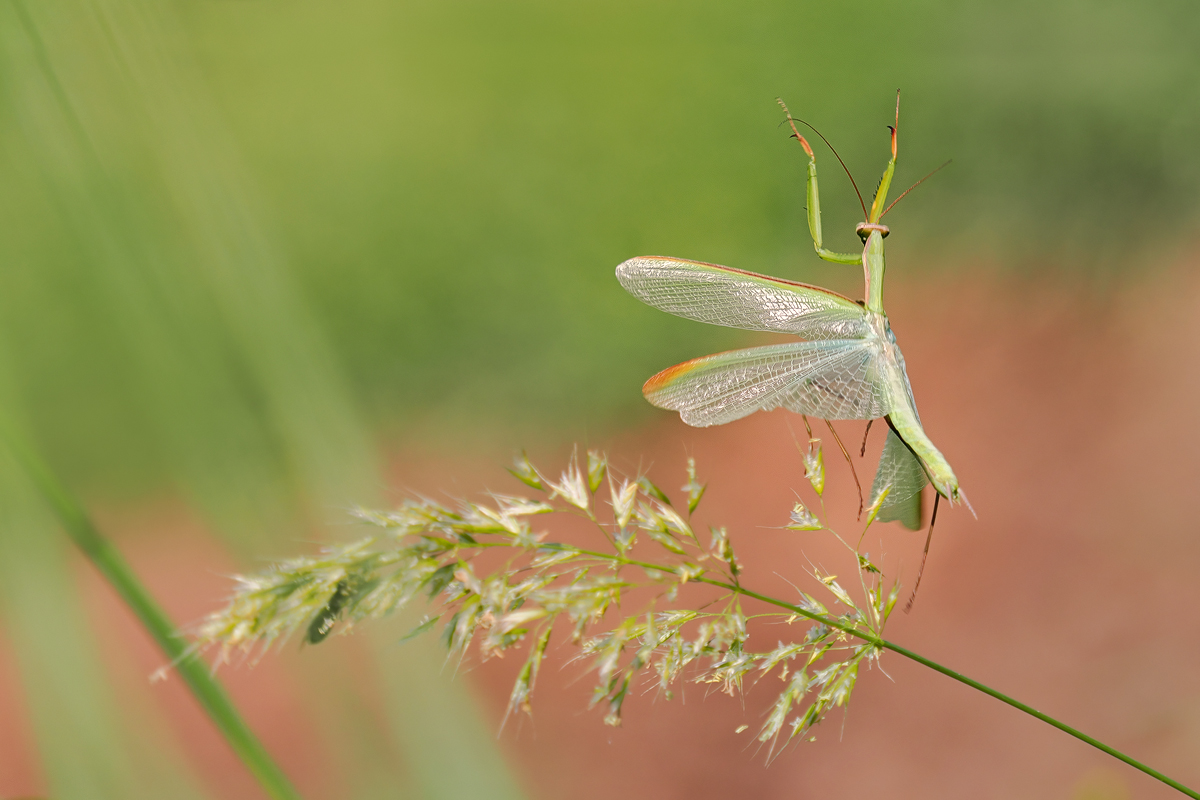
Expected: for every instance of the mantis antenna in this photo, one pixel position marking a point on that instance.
(915, 185)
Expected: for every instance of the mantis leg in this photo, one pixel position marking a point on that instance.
(850, 461)
(862, 453)
(814, 203)
(912, 598)
(814, 216)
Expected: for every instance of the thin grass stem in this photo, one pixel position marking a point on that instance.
(920, 659)
(436, 545)
(974, 684)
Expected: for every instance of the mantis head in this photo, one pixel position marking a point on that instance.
(863, 229)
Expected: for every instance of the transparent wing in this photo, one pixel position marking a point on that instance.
(832, 380)
(737, 299)
(900, 470)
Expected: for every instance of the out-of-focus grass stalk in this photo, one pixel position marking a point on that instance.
(190, 666)
(239, 387)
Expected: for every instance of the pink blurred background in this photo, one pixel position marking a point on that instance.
(1068, 419)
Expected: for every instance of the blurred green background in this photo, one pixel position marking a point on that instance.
(250, 247)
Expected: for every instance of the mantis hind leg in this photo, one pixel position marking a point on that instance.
(908, 606)
(850, 461)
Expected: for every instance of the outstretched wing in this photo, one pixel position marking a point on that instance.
(829, 379)
(900, 472)
(737, 299)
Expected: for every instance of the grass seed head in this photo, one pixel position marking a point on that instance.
(423, 551)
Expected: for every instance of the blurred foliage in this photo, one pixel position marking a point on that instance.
(76, 718)
(243, 238)
(449, 186)
(155, 338)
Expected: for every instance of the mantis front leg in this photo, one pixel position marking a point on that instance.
(814, 203)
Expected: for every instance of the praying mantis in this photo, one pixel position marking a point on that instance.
(848, 366)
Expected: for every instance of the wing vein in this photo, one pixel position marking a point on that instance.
(828, 379)
(737, 299)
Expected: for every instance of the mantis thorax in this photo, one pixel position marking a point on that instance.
(872, 260)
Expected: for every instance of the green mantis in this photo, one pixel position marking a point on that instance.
(848, 365)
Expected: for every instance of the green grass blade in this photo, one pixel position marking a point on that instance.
(191, 668)
(243, 395)
(72, 712)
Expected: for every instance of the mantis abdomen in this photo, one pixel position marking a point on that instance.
(905, 421)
